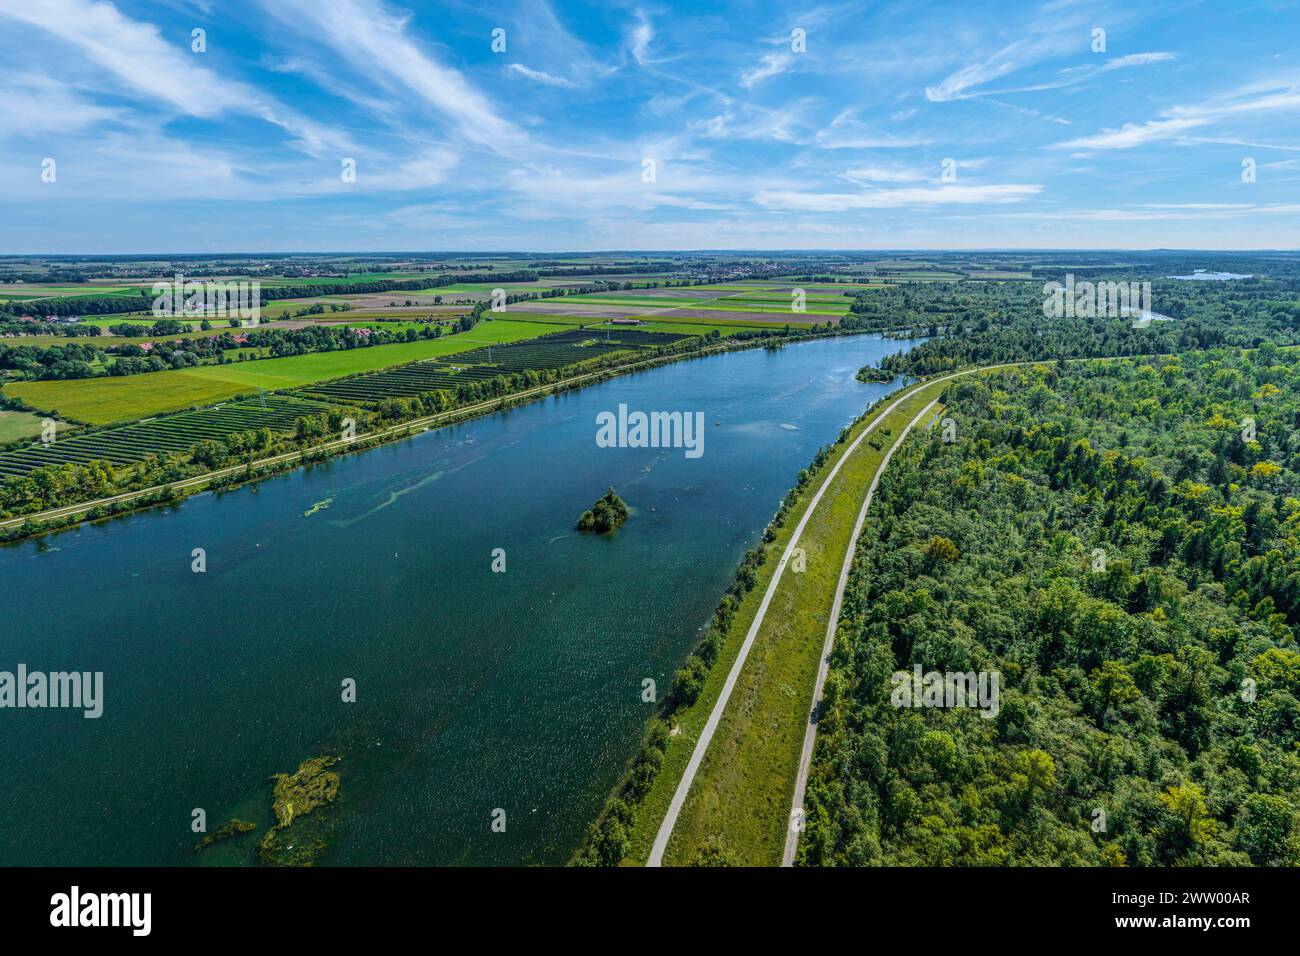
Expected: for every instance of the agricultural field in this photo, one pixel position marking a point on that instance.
(651, 322)
(759, 305)
(18, 425)
(102, 401)
(21, 291)
(557, 350)
(174, 433)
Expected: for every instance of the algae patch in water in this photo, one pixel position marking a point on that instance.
(294, 841)
(225, 831)
(318, 506)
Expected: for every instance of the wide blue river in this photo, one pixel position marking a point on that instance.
(476, 691)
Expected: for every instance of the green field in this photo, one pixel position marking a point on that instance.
(100, 401)
(16, 425)
(683, 326)
(17, 292)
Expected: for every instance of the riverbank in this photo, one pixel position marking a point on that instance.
(56, 519)
(688, 723)
(521, 690)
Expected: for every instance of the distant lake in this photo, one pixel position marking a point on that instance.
(1202, 275)
(475, 690)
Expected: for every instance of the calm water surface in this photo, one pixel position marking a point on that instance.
(475, 690)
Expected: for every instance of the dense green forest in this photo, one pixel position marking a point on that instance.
(1119, 541)
(983, 323)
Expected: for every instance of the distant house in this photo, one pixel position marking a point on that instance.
(626, 322)
(146, 346)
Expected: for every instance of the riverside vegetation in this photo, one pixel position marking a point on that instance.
(115, 461)
(1122, 544)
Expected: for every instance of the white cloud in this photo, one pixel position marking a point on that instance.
(143, 62)
(1162, 212)
(374, 41)
(539, 76)
(772, 64)
(1133, 134)
(1136, 59)
(894, 198)
(885, 174)
(845, 132)
(1257, 98)
(35, 104)
(640, 37)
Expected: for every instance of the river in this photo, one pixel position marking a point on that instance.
(476, 691)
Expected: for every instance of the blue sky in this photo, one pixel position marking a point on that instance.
(754, 143)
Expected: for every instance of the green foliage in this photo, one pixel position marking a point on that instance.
(689, 681)
(1134, 581)
(609, 512)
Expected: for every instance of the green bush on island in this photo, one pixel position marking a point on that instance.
(605, 515)
(872, 373)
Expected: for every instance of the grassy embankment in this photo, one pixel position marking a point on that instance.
(744, 787)
(742, 795)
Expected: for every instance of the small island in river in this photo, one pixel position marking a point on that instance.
(605, 515)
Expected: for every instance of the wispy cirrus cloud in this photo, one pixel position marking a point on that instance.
(771, 64)
(1163, 212)
(37, 104)
(895, 198)
(145, 65)
(1268, 97)
(539, 76)
(845, 131)
(374, 41)
(558, 126)
(640, 37)
(1041, 36)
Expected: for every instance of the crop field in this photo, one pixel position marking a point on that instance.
(779, 317)
(650, 323)
(19, 291)
(557, 350)
(407, 380)
(102, 401)
(760, 308)
(16, 425)
(176, 433)
(725, 323)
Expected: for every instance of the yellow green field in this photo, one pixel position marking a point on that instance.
(100, 401)
(16, 425)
